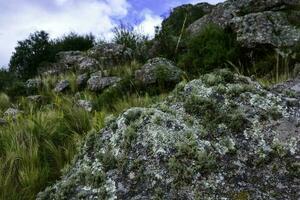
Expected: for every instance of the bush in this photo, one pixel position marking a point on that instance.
(167, 36)
(73, 42)
(29, 54)
(210, 49)
(6, 79)
(125, 35)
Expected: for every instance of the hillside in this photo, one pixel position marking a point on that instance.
(207, 109)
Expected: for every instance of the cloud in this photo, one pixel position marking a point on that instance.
(19, 19)
(149, 22)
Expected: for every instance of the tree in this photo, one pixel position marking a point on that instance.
(29, 54)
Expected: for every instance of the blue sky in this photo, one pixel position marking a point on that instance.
(18, 18)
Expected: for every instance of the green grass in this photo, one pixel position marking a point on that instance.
(43, 141)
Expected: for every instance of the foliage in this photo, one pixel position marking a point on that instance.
(209, 50)
(73, 42)
(167, 35)
(126, 35)
(6, 79)
(29, 53)
(37, 49)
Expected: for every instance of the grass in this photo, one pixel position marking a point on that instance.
(43, 141)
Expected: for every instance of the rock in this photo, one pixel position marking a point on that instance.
(158, 69)
(70, 58)
(217, 137)
(87, 105)
(296, 70)
(62, 86)
(256, 22)
(110, 54)
(33, 83)
(98, 83)
(81, 80)
(3, 122)
(87, 64)
(35, 98)
(12, 112)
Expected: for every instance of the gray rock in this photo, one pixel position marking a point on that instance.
(209, 139)
(81, 80)
(12, 112)
(35, 98)
(3, 122)
(158, 69)
(255, 22)
(87, 64)
(110, 54)
(33, 83)
(87, 105)
(62, 86)
(98, 83)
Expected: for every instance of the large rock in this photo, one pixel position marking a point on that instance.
(62, 86)
(33, 83)
(81, 80)
(256, 22)
(219, 137)
(157, 70)
(110, 54)
(98, 83)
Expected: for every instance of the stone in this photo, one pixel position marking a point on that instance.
(86, 105)
(3, 122)
(62, 86)
(158, 69)
(12, 112)
(200, 142)
(111, 54)
(81, 80)
(35, 98)
(98, 83)
(256, 22)
(33, 83)
(87, 64)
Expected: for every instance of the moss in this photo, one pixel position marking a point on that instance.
(237, 89)
(200, 106)
(130, 136)
(274, 113)
(243, 195)
(236, 121)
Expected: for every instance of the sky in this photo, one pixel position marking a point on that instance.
(19, 18)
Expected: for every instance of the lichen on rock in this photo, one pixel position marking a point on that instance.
(201, 142)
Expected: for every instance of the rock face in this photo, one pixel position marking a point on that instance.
(219, 137)
(255, 21)
(159, 70)
(110, 54)
(98, 83)
(62, 86)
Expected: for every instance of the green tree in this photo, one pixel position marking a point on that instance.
(29, 54)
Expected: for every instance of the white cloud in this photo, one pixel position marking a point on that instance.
(147, 26)
(69, 15)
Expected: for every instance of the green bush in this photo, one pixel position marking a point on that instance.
(166, 37)
(126, 35)
(209, 50)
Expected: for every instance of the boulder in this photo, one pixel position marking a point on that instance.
(157, 70)
(87, 64)
(35, 98)
(86, 105)
(217, 137)
(256, 22)
(33, 83)
(81, 80)
(110, 54)
(3, 122)
(62, 86)
(98, 83)
(12, 112)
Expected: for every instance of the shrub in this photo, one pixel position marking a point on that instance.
(126, 35)
(210, 49)
(29, 54)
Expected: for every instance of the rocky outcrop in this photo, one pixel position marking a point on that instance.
(81, 80)
(110, 54)
(62, 86)
(256, 22)
(218, 137)
(159, 70)
(86, 105)
(98, 83)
